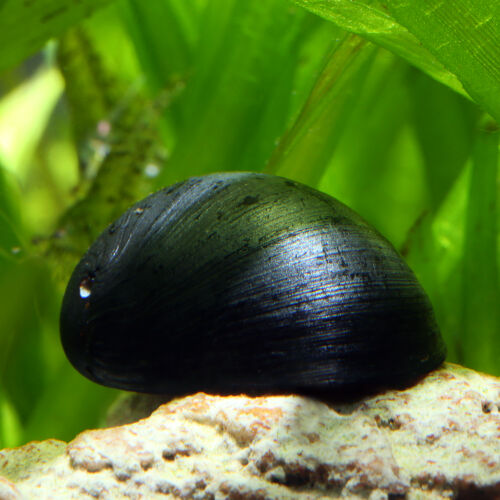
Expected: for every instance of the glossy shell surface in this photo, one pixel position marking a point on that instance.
(244, 282)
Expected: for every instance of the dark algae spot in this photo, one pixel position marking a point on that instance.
(249, 200)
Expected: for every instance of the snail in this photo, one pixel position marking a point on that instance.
(246, 283)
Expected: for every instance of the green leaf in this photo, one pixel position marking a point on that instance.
(242, 62)
(446, 139)
(314, 135)
(376, 168)
(146, 21)
(20, 354)
(480, 291)
(10, 426)
(72, 401)
(165, 56)
(464, 35)
(373, 23)
(11, 232)
(26, 26)
(433, 249)
(36, 97)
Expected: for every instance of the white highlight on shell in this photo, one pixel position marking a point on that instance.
(85, 288)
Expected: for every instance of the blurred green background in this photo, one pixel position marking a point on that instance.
(393, 108)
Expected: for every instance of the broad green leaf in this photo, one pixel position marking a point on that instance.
(377, 167)
(11, 232)
(19, 137)
(26, 26)
(242, 62)
(480, 341)
(21, 362)
(164, 54)
(10, 427)
(369, 20)
(464, 35)
(456, 260)
(444, 125)
(434, 250)
(73, 402)
(305, 150)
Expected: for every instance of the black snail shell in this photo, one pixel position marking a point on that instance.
(244, 282)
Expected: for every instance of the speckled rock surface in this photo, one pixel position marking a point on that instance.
(438, 439)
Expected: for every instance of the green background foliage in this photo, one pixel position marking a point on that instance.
(391, 107)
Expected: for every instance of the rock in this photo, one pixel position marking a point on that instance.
(439, 439)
